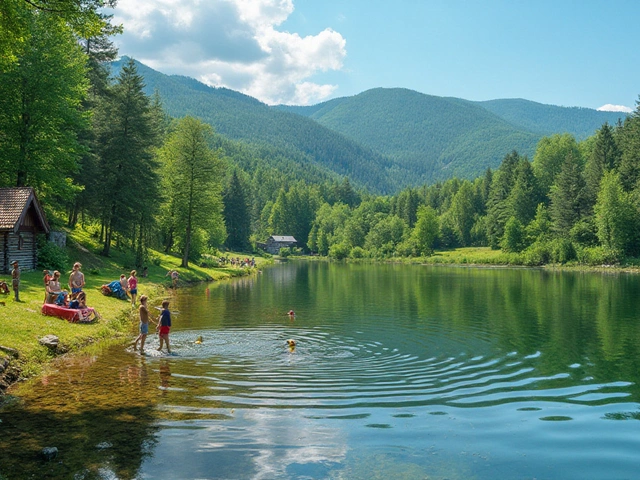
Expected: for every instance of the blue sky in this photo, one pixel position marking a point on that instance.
(571, 53)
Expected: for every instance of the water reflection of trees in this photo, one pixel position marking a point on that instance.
(572, 317)
(99, 416)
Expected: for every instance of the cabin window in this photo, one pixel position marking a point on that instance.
(20, 242)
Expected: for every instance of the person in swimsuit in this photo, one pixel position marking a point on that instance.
(132, 284)
(56, 294)
(144, 323)
(76, 279)
(164, 325)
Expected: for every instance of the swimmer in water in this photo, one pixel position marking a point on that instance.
(198, 340)
(292, 344)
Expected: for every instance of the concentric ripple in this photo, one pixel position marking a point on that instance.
(255, 367)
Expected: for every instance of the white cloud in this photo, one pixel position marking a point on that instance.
(231, 43)
(614, 108)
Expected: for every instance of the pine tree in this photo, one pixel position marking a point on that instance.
(525, 195)
(604, 158)
(127, 132)
(629, 142)
(236, 214)
(567, 197)
(498, 209)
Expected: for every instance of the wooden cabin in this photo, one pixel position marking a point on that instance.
(21, 221)
(275, 242)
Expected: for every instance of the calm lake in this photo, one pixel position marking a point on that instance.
(400, 372)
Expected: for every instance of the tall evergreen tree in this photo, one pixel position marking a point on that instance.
(236, 214)
(567, 197)
(127, 133)
(525, 195)
(99, 50)
(604, 157)
(629, 142)
(462, 213)
(498, 209)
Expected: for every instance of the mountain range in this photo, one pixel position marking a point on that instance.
(382, 139)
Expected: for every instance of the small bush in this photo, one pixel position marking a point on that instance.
(357, 252)
(284, 252)
(598, 255)
(562, 250)
(339, 251)
(51, 256)
(537, 254)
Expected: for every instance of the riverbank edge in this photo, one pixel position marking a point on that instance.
(483, 263)
(120, 326)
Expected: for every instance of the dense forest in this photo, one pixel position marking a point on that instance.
(106, 154)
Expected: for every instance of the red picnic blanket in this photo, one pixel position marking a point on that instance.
(81, 315)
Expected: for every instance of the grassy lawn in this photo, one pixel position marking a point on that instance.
(469, 255)
(22, 324)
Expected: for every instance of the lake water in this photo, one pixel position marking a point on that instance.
(400, 372)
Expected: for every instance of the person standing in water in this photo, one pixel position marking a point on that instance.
(164, 325)
(144, 324)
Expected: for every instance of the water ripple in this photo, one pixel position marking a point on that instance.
(255, 368)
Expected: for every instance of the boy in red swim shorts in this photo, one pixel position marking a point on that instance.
(164, 325)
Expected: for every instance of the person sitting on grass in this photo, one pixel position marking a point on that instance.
(56, 294)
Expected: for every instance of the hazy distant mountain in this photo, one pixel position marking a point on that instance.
(383, 139)
(548, 119)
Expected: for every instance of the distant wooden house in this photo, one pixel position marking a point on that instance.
(275, 242)
(21, 220)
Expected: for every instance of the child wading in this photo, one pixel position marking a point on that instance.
(144, 324)
(164, 325)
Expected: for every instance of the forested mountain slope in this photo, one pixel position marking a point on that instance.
(285, 136)
(434, 137)
(383, 139)
(549, 119)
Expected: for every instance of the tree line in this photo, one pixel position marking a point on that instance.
(575, 201)
(102, 154)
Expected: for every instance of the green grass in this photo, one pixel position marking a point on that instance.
(22, 324)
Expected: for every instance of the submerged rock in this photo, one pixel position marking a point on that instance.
(49, 453)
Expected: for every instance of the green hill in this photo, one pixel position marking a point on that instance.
(299, 143)
(434, 137)
(549, 119)
(382, 139)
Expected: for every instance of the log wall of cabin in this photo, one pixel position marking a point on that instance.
(19, 246)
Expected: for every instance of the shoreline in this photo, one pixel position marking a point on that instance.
(18, 365)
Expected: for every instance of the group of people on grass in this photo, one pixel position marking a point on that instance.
(246, 263)
(75, 297)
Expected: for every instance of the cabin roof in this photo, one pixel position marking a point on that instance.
(283, 238)
(14, 205)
